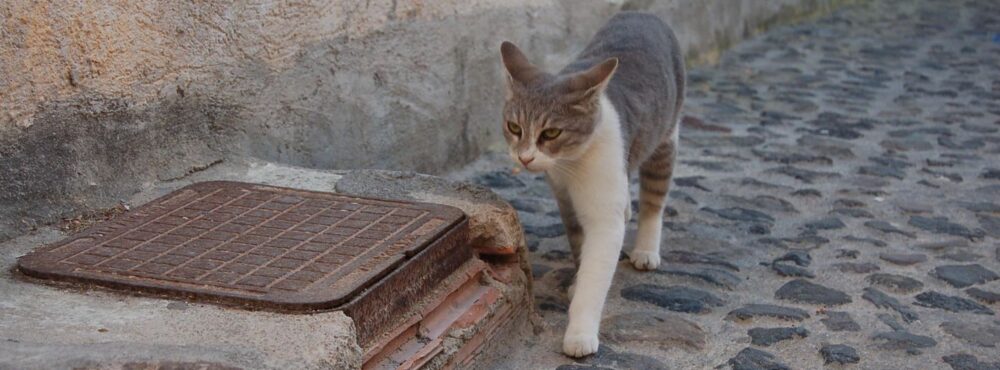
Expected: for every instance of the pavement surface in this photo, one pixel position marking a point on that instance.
(836, 204)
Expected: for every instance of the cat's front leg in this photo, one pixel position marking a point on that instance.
(600, 208)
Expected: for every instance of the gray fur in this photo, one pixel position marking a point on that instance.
(646, 87)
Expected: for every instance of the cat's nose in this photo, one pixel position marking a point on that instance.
(525, 159)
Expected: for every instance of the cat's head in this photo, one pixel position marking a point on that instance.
(548, 118)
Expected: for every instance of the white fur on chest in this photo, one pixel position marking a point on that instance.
(597, 185)
(595, 173)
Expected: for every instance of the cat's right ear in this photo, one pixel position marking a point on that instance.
(520, 71)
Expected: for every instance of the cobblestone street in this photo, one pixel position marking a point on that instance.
(836, 204)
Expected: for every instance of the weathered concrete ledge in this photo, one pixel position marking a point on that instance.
(98, 99)
(46, 326)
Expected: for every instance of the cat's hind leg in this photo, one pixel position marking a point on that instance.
(654, 182)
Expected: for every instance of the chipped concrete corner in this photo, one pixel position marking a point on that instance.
(92, 112)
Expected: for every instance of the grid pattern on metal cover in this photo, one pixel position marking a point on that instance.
(251, 238)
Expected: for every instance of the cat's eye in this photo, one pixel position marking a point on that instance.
(551, 133)
(514, 128)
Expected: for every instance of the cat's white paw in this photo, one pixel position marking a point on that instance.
(570, 291)
(644, 260)
(579, 345)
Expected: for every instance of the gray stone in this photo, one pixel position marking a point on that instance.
(800, 258)
(903, 341)
(828, 223)
(856, 267)
(563, 276)
(582, 367)
(907, 144)
(803, 291)
(547, 231)
(883, 171)
(895, 283)
(674, 298)
(791, 271)
(763, 202)
(848, 203)
(839, 353)
(961, 276)
(691, 182)
(717, 166)
(741, 214)
(751, 311)
(556, 255)
(913, 207)
(768, 336)
(755, 359)
(538, 270)
(498, 180)
(804, 175)
(875, 242)
(882, 300)
(840, 321)
(686, 257)
(890, 321)
(984, 296)
(853, 212)
(943, 246)
(888, 228)
(964, 361)
(791, 158)
(528, 205)
(715, 141)
(663, 329)
(980, 334)
(942, 175)
(980, 207)
(990, 224)
(550, 303)
(606, 356)
(903, 259)
(830, 147)
(941, 225)
(717, 277)
(752, 182)
(961, 256)
(950, 303)
(806, 240)
(807, 193)
(848, 253)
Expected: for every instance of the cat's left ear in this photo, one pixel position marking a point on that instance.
(520, 71)
(580, 91)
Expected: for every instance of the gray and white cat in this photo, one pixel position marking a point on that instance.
(611, 112)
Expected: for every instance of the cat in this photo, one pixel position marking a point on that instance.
(611, 112)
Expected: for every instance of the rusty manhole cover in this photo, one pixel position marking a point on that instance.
(266, 247)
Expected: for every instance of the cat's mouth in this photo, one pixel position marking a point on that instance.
(531, 167)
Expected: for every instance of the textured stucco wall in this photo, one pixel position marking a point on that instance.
(101, 98)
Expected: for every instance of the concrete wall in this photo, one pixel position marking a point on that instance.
(98, 98)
